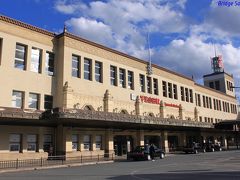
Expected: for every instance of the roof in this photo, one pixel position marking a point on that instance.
(217, 73)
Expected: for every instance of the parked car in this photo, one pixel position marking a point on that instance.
(210, 147)
(142, 153)
(194, 148)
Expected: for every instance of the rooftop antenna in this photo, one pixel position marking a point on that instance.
(217, 62)
(149, 66)
(215, 51)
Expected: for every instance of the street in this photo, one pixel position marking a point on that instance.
(215, 165)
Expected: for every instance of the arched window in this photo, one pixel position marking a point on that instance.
(88, 108)
(151, 114)
(123, 111)
(172, 117)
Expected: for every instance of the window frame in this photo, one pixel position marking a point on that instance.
(98, 71)
(17, 59)
(50, 63)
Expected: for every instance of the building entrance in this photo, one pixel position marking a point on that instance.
(152, 140)
(122, 144)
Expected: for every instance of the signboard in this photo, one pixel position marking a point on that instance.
(172, 105)
(150, 100)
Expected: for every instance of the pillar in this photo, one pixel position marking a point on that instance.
(138, 106)
(183, 140)
(225, 144)
(67, 96)
(40, 139)
(64, 139)
(109, 146)
(180, 112)
(140, 138)
(108, 102)
(195, 114)
(164, 138)
(161, 109)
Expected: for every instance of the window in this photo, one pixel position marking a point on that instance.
(217, 85)
(170, 90)
(98, 142)
(130, 80)
(207, 104)
(87, 69)
(200, 118)
(149, 85)
(211, 85)
(49, 64)
(164, 87)
(36, 60)
(48, 143)
(113, 75)
(15, 142)
(17, 99)
(122, 77)
(142, 82)
(175, 95)
(214, 104)
(32, 142)
(87, 142)
(20, 56)
(1, 42)
(98, 71)
(33, 101)
(186, 95)
(182, 94)
(199, 100)
(155, 86)
(75, 66)
(191, 95)
(74, 142)
(210, 103)
(204, 102)
(48, 102)
(220, 107)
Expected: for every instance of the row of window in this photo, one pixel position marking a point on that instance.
(36, 59)
(33, 100)
(16, 142)
(87, 142)
(217, 104)
(214, 85)
(186, 94)
(150, 81)
(208, 120)
(229, 86)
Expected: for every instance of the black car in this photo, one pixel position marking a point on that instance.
(210, 147)
(142, 153)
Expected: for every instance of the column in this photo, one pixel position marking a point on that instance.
(40, 139)
(108, 102)
(195, 114)
(164, 138)
(140, 138)
(67, 96)
(138, 106)
(109, 149)
(225, 144)
(93, 143)
(180, 112)
(161, 109)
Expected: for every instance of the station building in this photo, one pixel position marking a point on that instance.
(62, 94)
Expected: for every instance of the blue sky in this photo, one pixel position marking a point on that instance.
(181, 31)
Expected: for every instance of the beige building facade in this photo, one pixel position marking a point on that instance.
(61, 94)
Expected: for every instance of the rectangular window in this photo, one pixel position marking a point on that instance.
(182, 94)
(33, 101)
(207, 104)
(164, 88)
(186, 94)
(211, 85)
(36, 60)
(149, 85)
(191, 95)
(87, 142)
(20, 56)
(170, 90)
(48, 143)
(113, 75)
(220, 107)
(49, 64)
(199, 100)
(142, 82)
(32, 142)
(98, 142)
(175, 95)
(200, 118)
(17, 99)
(204, 102)
(155, 86)
(48, 102)
(217, 85)
(130, 80)
(122, 78)
(210, 103)
(87, 69)
(15, 142)
(214, 104)
(74, 142)
(75, 66)
(1, 45)
(98, 71)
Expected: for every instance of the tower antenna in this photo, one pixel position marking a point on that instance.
(149, 66)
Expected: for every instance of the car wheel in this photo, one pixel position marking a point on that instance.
(162, 156)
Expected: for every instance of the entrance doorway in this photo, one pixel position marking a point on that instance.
(122, 144)
(152, 140)
(172, 143)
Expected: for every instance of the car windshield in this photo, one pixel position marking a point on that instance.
(141, 148)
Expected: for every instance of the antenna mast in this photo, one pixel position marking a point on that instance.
(149, 66)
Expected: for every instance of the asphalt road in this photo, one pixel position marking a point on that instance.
(203, 166)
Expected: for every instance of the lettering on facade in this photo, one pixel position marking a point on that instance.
(150, 100)
(172, 105)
